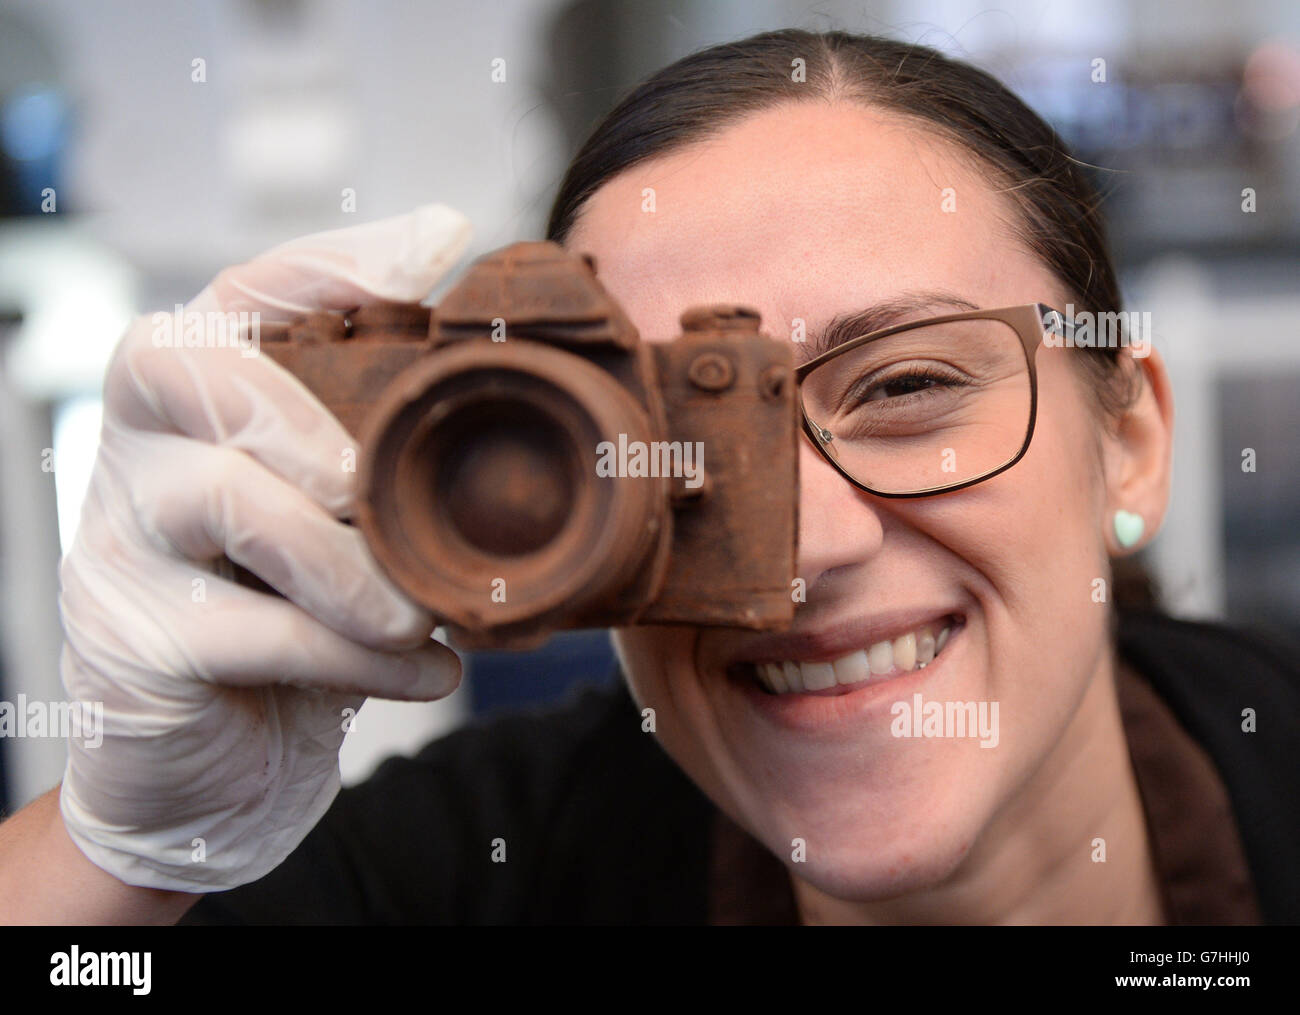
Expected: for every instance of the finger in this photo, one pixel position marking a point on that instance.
(140, 626)
(399, 258)
(247, 405)
(262, 640)
(201, 501)
(224, 394)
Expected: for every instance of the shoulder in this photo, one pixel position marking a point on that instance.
(533, 743)
(590, 820)
(1203, 668)
(566, 814)
(1145, 629)
(528, 767)
(589, 746)
(1236, 691)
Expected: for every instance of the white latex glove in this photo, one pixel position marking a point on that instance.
(223, 717)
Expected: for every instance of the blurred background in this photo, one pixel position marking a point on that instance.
(145, 144)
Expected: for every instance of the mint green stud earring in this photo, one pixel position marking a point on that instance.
(1128, 528)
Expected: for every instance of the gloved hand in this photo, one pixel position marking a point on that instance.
(224, 707)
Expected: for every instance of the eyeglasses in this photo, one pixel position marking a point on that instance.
(929, 406)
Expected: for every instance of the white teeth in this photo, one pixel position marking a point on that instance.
(773, 677)
(905, 652)
(852, 668)
(818, 676)
(911, 651)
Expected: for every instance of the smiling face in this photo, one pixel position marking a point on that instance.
(812, 211)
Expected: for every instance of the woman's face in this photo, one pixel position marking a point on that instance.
(812, 211)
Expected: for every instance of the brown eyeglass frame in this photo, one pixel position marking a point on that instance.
(1027, 321)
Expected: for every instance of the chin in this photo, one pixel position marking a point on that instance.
(870, 868)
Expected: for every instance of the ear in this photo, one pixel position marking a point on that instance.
(1138, 452)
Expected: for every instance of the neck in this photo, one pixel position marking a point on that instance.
(1038, 862)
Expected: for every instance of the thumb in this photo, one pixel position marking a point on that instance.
(399, 258)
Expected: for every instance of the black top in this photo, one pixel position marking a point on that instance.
(600, 825)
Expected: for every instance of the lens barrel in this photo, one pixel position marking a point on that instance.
(479, 493)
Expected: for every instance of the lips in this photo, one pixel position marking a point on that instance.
(829, 663)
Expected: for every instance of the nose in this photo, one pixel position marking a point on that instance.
(839, 527)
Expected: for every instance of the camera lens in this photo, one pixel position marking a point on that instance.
(479, 493)
(505, 476)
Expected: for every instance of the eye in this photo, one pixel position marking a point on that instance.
(895, 387)
(909, 381)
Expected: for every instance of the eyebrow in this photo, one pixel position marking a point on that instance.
(881, 315)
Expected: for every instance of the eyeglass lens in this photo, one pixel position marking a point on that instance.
(928, 407)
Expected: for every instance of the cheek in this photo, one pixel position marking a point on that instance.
(1033, 536)
(1033, 544)
(659, 663)
(1061, 488)
(659, 666)
(641, 659)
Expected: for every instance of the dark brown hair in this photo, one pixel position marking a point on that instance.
(1059, 217)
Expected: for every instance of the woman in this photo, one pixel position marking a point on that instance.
(840, 185)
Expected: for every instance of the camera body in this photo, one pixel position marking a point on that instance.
(528, 464)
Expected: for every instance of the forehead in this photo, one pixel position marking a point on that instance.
(805, 211)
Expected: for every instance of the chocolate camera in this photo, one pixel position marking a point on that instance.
(529, 464)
